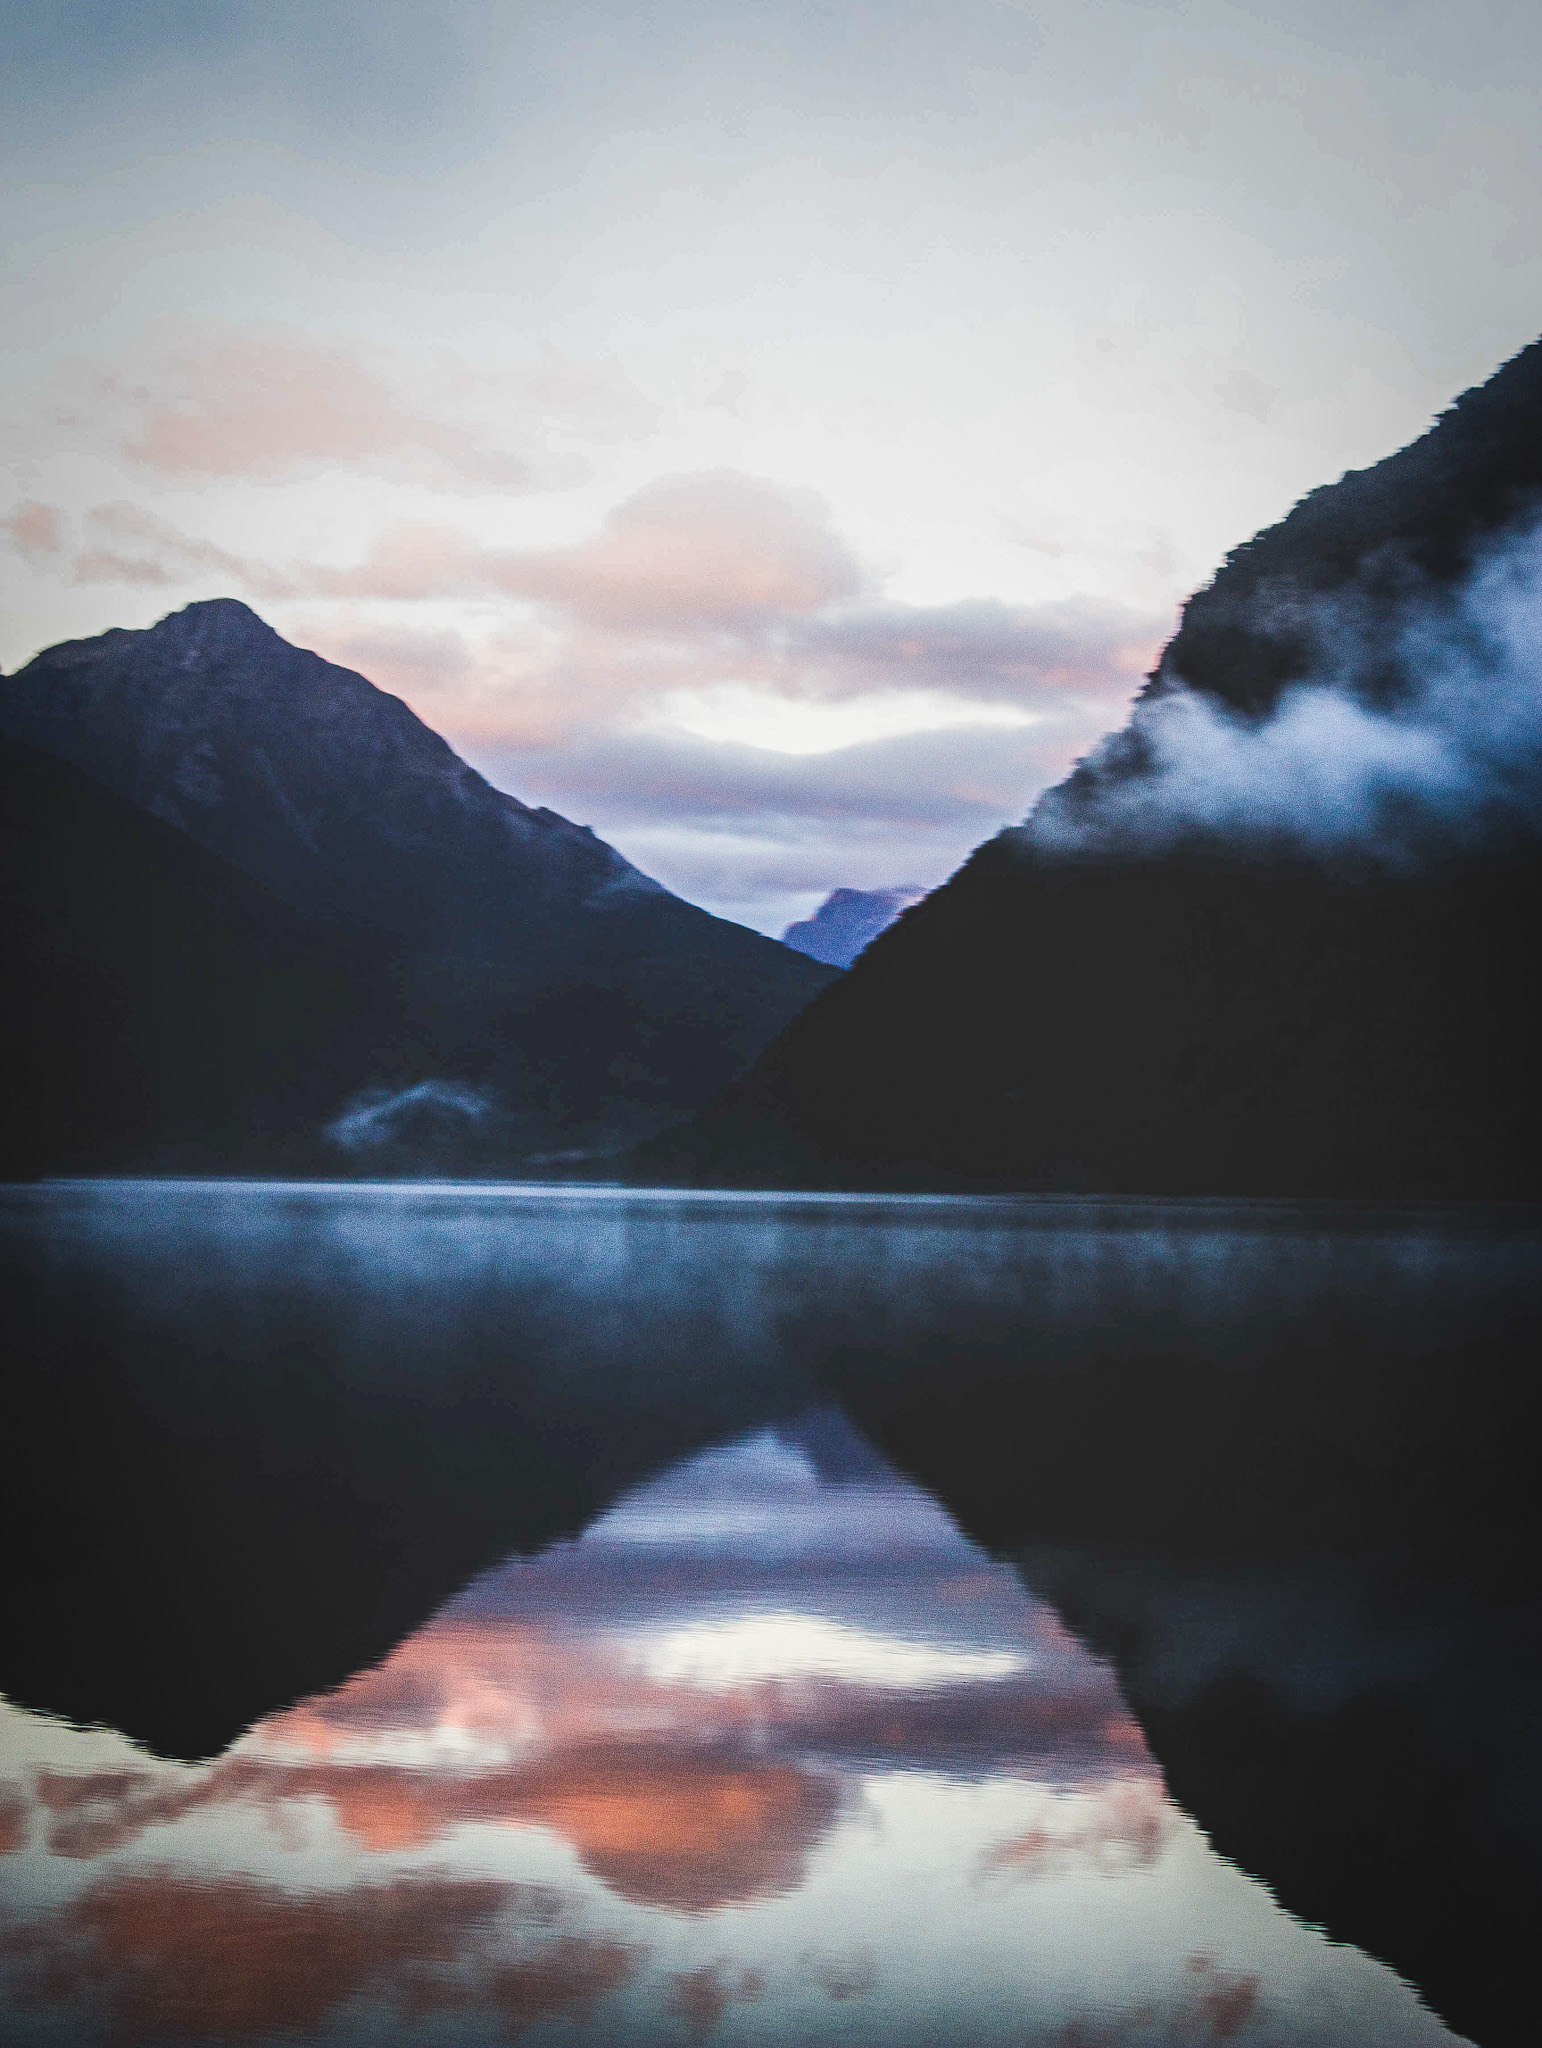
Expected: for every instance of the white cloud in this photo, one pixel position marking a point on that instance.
(1451, 758)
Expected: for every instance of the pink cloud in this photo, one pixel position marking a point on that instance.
(271, 403)
(688, 581)
(685, 556)
(36, 531)
(580, 691)
(708, 549)
(126, 544)
(167, 1957)
(989, 651)
(686, 553)
(13, 1819)
(1127, 1824)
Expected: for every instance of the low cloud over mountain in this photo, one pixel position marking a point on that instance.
(1407, 738)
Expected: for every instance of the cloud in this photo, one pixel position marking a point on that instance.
(274, 403)
(714, 549)
(13, 1819)
(680, 1824)
(126, 544)
(694, 587)
(692, 578)
(959, 778)
(431, 1119)
(36, 532)
(692, 582)
(702, 1996)
(987, 651)
(1413, 737)
(1122, 1824)
(172, 1957)
(665, 1828)
(709, 675)
(752, 580)
(687, 553)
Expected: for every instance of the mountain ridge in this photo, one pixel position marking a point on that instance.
(152, 728)
(532, 961)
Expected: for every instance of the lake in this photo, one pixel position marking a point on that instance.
(462, 1614)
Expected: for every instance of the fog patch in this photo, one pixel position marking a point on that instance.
(1417, 733)
(432, 1122)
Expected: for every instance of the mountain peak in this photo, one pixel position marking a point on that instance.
(566, 967)
(848, 921)
(223, 615)
(214, 631)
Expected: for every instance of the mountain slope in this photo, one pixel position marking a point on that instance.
(162, 1008)
(1271, 938)
(543, 966)
(1425, 512)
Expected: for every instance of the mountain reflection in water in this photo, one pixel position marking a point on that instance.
(447, 1615)
(769, 1753)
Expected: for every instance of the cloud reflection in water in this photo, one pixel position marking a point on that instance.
(770, 1754)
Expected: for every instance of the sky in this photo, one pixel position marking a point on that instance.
(777, 436)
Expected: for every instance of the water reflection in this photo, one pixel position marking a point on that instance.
(769, 1753)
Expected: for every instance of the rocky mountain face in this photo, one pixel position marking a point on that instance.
(551, 991)
(1268, 939)
(848, 921)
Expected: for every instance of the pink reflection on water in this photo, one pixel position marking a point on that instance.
(705, 1709)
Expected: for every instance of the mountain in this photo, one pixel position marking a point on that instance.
(162, 1007)
(1270, 937)
(1425, 512)
(848, 921)
(540, 988)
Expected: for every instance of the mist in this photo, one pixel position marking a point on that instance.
(1416, 735)
(431, 1119)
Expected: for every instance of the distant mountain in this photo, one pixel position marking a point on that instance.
(847, 921)
(1272, 937)
(536, 972)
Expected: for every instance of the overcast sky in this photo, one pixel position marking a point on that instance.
(776, 434)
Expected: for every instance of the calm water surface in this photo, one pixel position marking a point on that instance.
(449, 1615)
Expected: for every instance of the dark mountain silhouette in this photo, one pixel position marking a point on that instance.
(847, 921)
(471, 939)
(1355, 1728)
(244, 1459)
(1274, 1461)
(1363, 1748)
(1267, 939)
(1424, 513)
(161, 1006)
